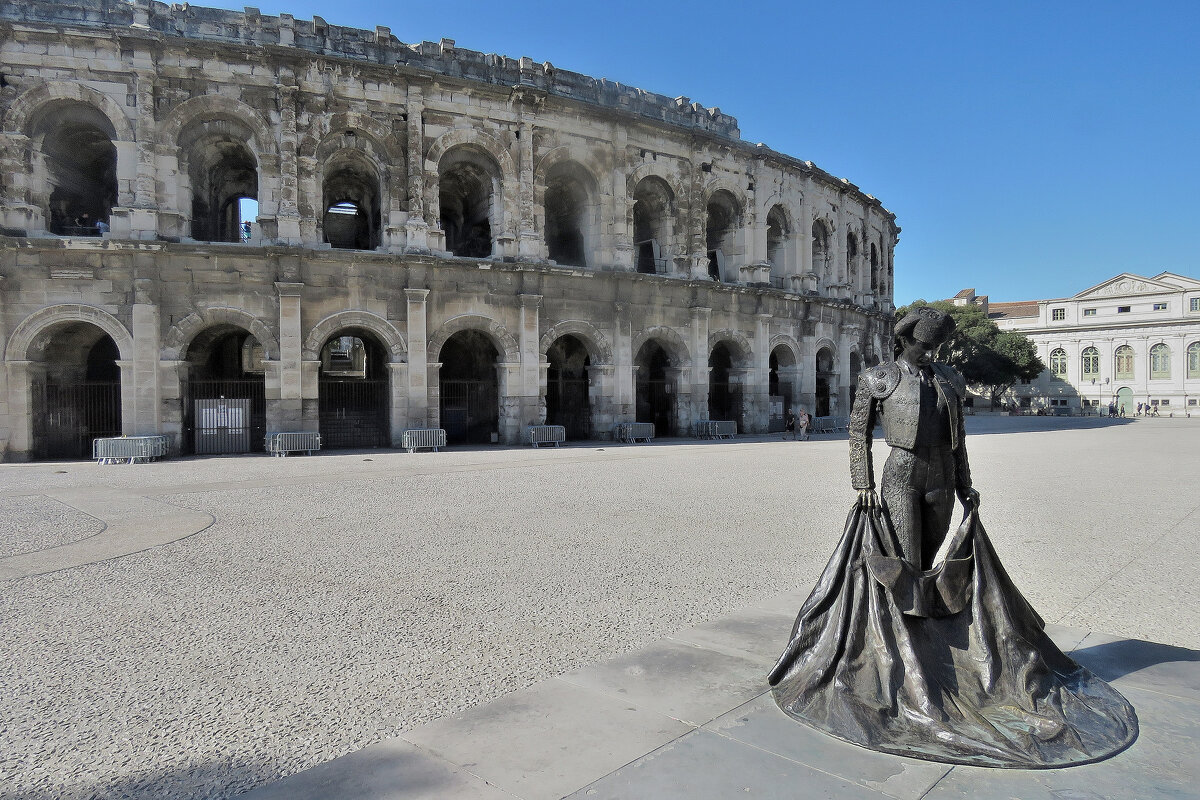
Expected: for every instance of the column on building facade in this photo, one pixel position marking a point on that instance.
(807, 383)
(19, 402)
(416, 228)
(529, 243)
(757, 399)
(144, 372)
(698, 343)
(624, 383)
(142, 216)
(807, 278)
(286, 228)
(419, 375)
(618, 246)
(696, 249)
(295, 408)
(532, 404)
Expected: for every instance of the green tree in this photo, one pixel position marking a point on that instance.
(988, 358)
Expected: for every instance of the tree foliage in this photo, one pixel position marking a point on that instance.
(987, 357)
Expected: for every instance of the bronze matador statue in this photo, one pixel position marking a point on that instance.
(915, 645)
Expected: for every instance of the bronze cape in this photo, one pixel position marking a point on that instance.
(950, 664)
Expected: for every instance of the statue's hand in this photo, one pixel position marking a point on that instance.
(867, 499)
(969, 497)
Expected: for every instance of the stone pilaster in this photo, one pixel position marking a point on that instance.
(624, 385)
(419, 372)
(144, 372)
(416, 228)
(529, 244)
(287, 227)
(529, 382)
(698, 343)
(295, 408)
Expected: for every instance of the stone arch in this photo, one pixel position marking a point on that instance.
(789, 342)
(213, 105)
(379, 134)
(671, 340)
(504, 341)
(566, 154)
(595, 341)
(484, 141)
(825, 343)
(385, 330)
(743, 351)
(725, 185)
(656, 170)
(32, 326)
(181, 334)
(24, 108)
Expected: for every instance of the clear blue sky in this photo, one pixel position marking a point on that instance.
(1028, 149)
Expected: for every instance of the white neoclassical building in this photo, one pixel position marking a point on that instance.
(1130, 338)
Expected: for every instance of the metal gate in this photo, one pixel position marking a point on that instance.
(725, 403)
(225, 416)
(568, 404)
(66, 418)
(470, 411)
(654, 404)
(354, 413)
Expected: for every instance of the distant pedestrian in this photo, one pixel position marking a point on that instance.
(246, 231)
(802, 424)
(101, 226)
(789, 425)
(1112, 408)
(1139, 410)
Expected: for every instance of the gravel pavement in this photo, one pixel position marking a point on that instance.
(344, 598)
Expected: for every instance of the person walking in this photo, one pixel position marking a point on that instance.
(789, 425)
(803, 422)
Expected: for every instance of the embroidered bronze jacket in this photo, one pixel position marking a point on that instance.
(892, 395)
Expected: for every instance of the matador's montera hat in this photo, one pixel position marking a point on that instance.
(927, 325)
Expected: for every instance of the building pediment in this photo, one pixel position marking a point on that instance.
(1127, 284)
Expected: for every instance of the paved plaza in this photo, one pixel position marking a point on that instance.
(200, 628)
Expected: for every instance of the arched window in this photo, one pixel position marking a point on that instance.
(777, 232)
(723, 221)
(1160, 362)
(851, 258)
(653, 224)
(1123, 363)
(1058, 363)
(75, 164)
(1193, 359)
(569, 214)
(820, 251)
(351, 202)
(875, 283)
(469, 179)
(1090, 361)
(221, 171)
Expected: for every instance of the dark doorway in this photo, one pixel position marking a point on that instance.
(779, 392)
(75, 144)
(825, 377)
(224, 406)
(655, 389)
(470, 391)
(724, 396)
(353, 400)
(78, 398)
(567, 400)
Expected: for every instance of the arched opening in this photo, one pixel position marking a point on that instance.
(470, 388)
(224, 392)
(1125, 405)
(826, 378)
(653, 209)
(468, 180)
(1160, 362)
(782, 365)
(852, 259)
(1089, 363)
(567, 397)
(1193, 360)
(353, 397)
(1058, 363)
(75, 167)
(777, 235)
(569, 214)
(351, 199)
(820, 252)
(222, 172)
(655, 391)
(722, 221)
(724, 393)
(1123, 363)
(875, 282)
(76, 390)
(856, 365)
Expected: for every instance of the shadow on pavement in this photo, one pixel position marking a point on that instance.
(1113, 660)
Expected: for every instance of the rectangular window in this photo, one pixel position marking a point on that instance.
(1122, 309)
(1089, 312)
(1164, 403)
(1153, 402)
(1160, 306)
(1058, 313)
(1196, 304)
(1192, 401)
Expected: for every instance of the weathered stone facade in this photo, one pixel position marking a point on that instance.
(589, 248)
